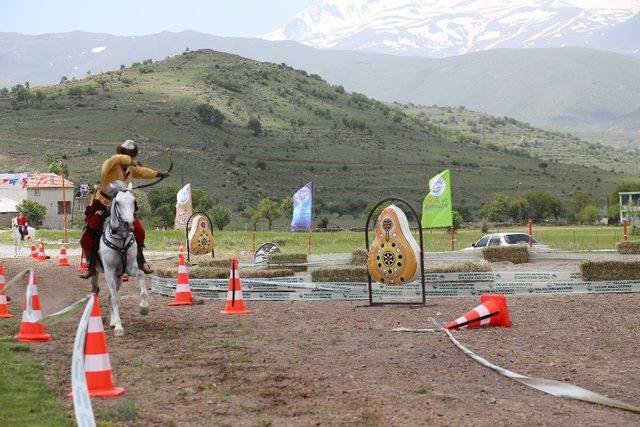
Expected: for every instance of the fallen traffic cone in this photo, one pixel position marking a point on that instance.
(63, 261)
(235, 302)
(31, 329)
(4, 307)
(97, 363)
(83, 262)
(41, 256)
(492, 311)
(183, 290)
(34, 250)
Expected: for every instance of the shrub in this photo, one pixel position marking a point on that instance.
(255, 126)
(359, 257)
(629, 248)
(602, 270)
(518, 254)
(210, 115)
(340, 274)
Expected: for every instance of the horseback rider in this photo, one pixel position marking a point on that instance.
(120, 167)
(23, 225)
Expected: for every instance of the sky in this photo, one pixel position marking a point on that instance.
(242, 18)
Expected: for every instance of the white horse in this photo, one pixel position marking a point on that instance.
(17, 238)
(118, 253)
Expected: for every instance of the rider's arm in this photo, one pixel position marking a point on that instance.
(142, 172)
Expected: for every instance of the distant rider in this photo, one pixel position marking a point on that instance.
(120, 167)
(23, 225)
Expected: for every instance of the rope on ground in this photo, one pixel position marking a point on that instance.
(552, 387)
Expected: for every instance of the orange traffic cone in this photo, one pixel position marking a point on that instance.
(235, 302)
(83, 262)
(492, 311)
(34, 250)
(31, 329)
(63, 261)
(4, 307)
(181, 249)
(97, 363)
(41, 256)
(183, 290)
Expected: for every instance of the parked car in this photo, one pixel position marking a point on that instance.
(505, 239)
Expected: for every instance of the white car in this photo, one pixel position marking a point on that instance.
(505, 239)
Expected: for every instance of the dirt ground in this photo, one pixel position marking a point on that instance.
(328, 363)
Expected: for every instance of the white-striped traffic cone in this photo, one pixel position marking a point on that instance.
(235, 301)
(31, 328)
(183, 290)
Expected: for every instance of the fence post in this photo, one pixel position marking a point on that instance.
(530, 233)
(253, 242)
(453, 240)
(574, 240)
(624, 228)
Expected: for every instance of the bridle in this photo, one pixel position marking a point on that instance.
(114, 233)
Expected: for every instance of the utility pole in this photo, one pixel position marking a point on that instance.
(64, 203)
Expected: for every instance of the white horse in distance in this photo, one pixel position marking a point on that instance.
(17, 238)
(118, 253)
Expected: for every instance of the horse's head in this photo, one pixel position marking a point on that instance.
(123, 207)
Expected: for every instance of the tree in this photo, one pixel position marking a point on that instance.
(576, 203)
(210, 115)
(122, 67)
(162, 204)
(457, 220)
(250, 214)
(269, 209)
(497, 209)
(102, 82)
(64, 80)
(20, 93)
(543, 166)
(255, 126)
(220, 216)
(519, 210)
(40, 96)
(588, 215)
(34, 211)
(286, 205)
(4, 92)
(543, 204)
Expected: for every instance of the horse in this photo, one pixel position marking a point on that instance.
(17, 238)
(118, 252)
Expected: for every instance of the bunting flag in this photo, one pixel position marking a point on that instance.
(437, 209)
(302, 208)
(13, 178)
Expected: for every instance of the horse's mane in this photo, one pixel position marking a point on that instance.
(117, 186)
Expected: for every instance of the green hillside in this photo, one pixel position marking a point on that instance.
(509, 133)
(355, 149)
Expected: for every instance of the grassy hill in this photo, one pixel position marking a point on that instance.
(509, 133)
(355, 149)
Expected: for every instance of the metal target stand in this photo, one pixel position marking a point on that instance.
(366, 239)
(188, 228)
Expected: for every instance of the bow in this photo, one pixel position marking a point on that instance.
(157, 180)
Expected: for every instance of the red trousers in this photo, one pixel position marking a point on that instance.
(94, 220)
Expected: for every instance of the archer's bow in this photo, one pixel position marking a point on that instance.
(157, 180)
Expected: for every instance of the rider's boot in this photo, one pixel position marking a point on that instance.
(142, 263)
(92, 258)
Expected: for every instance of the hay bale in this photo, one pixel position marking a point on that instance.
(629, 248)
(459, 267)
(603, 270)
(359, 257)
(517, 254)
(223, 273)
(340, 274)
(280, 258)
(214, 263)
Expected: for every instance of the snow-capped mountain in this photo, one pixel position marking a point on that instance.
(441, 28)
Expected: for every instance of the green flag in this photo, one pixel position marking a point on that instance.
(437, 206)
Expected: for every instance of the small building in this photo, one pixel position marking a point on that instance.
(45, 189)
(8, 211)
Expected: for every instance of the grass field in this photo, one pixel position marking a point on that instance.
(580, 238)
(25, 398)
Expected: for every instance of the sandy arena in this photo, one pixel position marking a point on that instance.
(328, 363)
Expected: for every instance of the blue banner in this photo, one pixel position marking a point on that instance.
(302, 208)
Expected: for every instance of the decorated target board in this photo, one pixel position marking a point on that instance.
(394, 253)
(200, 236)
